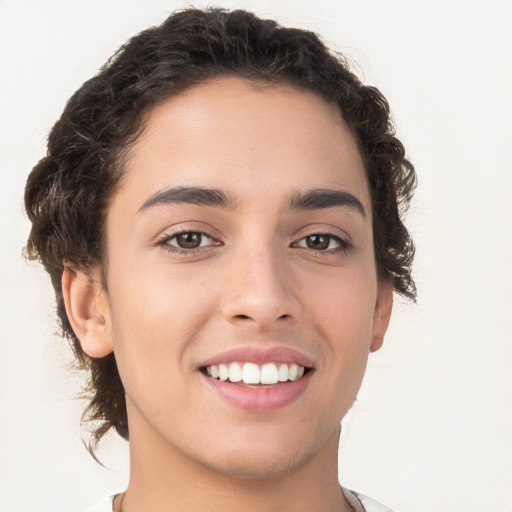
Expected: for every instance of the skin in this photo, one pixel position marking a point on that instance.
(254, 281)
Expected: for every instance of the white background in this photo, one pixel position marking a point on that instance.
(432, 429)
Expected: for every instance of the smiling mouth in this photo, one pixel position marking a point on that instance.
(251, 374)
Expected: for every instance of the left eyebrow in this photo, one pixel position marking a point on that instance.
(324, 198)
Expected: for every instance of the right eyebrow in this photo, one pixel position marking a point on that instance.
(192, 195)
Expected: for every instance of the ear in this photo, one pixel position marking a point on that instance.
(383, 308)
(87, 310)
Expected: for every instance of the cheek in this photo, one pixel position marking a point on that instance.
(344, 300)
(156, 299)
(343, 308)
(154, 316)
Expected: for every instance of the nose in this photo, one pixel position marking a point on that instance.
(260, 290)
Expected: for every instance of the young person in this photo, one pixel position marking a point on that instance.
(220, 211)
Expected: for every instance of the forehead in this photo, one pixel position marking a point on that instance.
(247, 137)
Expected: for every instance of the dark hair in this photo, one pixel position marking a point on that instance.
(67, 192)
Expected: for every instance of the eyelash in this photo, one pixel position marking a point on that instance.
(343, 245)
(164, 242)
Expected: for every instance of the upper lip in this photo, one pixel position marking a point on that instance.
(259, 355)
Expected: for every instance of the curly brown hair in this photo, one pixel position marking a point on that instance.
(67, 192)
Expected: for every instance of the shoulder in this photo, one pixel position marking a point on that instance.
(362, 503)
(105, 505)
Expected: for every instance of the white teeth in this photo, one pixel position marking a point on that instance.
(250, 373)
(223, 372)
(293, 372)
(283, 372)
(269, 374)
(235, 372)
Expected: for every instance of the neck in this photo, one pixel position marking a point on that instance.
(165, 479)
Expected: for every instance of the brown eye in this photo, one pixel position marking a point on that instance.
(321, 242)
(189, 240)
(318, 242)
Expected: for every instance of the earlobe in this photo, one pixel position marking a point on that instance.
(87, 310)
(383, 309)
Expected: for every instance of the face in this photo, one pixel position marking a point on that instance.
(240, 247)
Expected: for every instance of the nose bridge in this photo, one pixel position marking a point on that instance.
(260, 286)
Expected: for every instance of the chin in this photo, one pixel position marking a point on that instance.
(260, 456)
(258, 467)
(263, 451)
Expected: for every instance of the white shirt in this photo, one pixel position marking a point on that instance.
(362, 503)
(359, 502)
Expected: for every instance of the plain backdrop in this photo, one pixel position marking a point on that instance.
(432, 428)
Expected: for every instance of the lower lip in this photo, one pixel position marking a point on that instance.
(258, 399)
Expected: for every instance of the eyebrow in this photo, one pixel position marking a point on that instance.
(191, 195)
(324, 198)
(311, 200)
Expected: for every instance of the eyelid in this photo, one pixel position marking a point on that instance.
(187, 227)
(323, 229)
